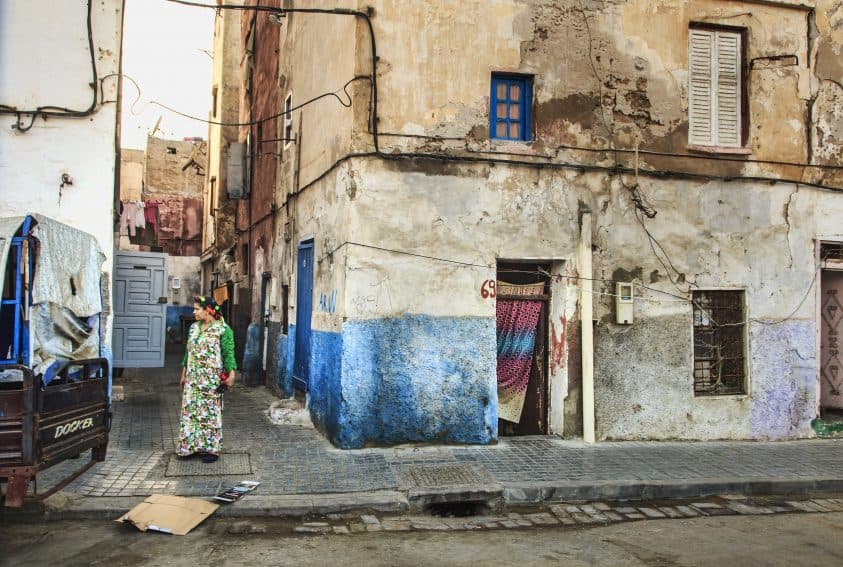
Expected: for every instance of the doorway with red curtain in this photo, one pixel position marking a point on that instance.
(522, 300)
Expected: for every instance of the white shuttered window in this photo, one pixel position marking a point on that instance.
(715, 88)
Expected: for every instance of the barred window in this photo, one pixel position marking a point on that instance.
(719, 354)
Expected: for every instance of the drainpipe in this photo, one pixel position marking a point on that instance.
(586, 318)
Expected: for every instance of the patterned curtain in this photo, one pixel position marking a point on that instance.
(517, 323)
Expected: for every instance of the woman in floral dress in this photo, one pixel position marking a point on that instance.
(208, 364)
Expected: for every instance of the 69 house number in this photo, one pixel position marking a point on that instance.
(488, 289)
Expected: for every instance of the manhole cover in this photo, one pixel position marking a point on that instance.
(439, 475)
(227, 464)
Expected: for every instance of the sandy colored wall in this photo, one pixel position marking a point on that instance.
(131, 174)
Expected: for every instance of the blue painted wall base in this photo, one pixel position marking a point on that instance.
(389, 381)
(253, 356)
(174, 313)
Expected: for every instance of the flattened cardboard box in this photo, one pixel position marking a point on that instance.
(168, 514)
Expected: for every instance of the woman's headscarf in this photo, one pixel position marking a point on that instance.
(208, 304)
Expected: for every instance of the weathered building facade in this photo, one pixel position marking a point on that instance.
(661, 178)
(225, 179)
(161, 205)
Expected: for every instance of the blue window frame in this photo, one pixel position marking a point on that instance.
(511, 99)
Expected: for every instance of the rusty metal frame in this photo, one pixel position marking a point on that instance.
(35, 415)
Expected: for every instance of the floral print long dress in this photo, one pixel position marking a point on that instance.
(200, 430)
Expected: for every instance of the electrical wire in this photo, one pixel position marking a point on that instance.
(51, 110)
(402, 252)
(334, 11)
(134, 82)
(561, 277)
(597, 76)
(344, 89)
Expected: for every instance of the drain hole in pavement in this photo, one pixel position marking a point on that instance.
(456, 509)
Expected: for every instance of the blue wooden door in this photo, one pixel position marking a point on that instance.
(304, 307)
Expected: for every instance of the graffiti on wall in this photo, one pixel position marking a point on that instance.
(328, 301)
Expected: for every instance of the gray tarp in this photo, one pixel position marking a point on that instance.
(68, 271)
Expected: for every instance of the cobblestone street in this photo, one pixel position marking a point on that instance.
(297, 461)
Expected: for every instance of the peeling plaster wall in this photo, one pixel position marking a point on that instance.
(321, 216)
(418, 338)
(226, 81)
(322, 130)
(622, 80)
(759, 239)
(403, 245)
(827, 109)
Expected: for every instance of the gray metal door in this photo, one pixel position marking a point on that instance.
(140, 309)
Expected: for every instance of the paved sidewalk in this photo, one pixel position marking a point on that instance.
(302, 473)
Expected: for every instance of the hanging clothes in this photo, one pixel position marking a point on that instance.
(140, 215)
(151, 216)
(132, 217)
(127, 218)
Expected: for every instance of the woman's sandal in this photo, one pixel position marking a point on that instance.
(209, 458)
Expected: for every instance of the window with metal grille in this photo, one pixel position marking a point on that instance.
(719, 329)
(715, 90)
(511, 99)
(831, 251)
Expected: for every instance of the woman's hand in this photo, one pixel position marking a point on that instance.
(229, 382)
(183, 377)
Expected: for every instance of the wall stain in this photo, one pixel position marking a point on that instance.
(559, 347)
(578, 108)
(621, 275)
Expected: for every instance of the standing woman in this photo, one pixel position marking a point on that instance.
(207, 367)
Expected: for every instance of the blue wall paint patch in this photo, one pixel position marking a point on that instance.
(389, 381)
(283, 380)
(323, 396)
(253, 356)
(174, 313)
(418, 378)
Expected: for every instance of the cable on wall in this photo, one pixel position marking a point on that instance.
(281, 12)
(58, 111)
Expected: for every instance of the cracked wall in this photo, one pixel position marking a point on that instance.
(405, 243)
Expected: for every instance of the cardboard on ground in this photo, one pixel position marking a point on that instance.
(168, 514)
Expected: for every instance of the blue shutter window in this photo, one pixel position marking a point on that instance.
(510, 107)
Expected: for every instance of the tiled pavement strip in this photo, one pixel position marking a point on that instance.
(298, 460)
(562, 514)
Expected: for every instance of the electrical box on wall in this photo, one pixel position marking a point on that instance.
(624, 302)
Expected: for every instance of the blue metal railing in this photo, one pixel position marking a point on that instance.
(22, 296)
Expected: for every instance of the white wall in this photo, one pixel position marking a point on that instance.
(45, 60)
(188, 270)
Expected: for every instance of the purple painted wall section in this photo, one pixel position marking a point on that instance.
(783, 380)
